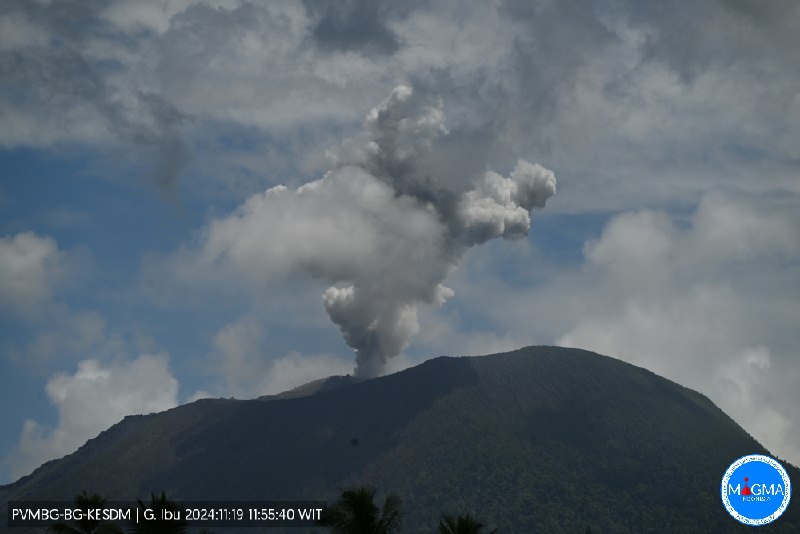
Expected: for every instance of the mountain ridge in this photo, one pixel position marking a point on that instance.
(607, 444)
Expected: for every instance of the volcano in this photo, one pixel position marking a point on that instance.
(542, 439)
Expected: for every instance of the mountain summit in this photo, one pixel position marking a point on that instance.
(542, 439)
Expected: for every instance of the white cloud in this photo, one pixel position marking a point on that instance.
(693, 304)
(726, 231)
(704, 298)
(634, 251)
(270, 377)
(589, 92)
(238, 357)
(243, 367)
(629, 112)
(443, 333)
(740, 386)
(89, 401)
(296, 369)
(30, 269)
(381, 228)
(33, 273)
(683, 336)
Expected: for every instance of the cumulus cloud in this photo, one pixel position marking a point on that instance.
(89, 401)
(740, 386)
(704, 297)
(445, 333)
(379, 227)
(639, 120)
(30, 268)
(501, 206)
(295, 369)
(240, 360)
(33, 274)
(697, 304)
(238, 357)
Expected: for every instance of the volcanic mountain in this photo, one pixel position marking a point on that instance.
(542, 439)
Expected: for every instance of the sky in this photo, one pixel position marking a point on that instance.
(228, 199)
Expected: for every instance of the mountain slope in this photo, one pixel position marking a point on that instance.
(542, 439)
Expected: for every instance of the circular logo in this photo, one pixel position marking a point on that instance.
(756, 490)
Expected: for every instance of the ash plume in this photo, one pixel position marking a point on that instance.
(381, 227)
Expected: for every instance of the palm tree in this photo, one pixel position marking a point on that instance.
(85, 502)
(356, 513)
(463, 524)
(159, 526)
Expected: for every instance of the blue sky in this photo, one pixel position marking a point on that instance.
(147, 260)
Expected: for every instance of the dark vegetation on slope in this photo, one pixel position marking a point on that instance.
(542, 439)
